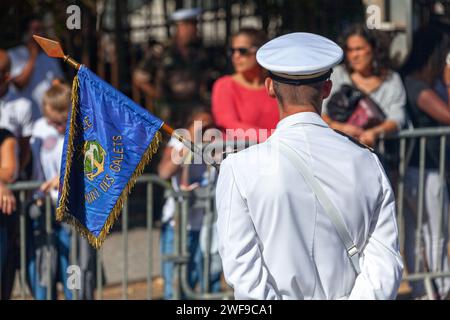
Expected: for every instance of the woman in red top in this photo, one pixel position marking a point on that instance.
(240, 103)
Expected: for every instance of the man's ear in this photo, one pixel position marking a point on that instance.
(326, 88)
(269, 87)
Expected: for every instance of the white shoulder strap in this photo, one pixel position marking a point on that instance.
(330, 209)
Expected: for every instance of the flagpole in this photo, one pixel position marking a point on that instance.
(53, 49)
(194, 148)
(71, 62)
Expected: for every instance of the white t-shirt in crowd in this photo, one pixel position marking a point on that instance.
(16, 114)
(46, 145)
(45, 71)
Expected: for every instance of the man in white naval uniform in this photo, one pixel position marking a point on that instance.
(276, 240)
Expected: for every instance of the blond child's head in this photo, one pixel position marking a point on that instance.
(56, 105)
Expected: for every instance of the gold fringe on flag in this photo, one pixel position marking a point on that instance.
(61, 212)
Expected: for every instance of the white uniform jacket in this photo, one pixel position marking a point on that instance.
(276, 241)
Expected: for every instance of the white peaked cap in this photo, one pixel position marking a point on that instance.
(186, 14)
(299, 58)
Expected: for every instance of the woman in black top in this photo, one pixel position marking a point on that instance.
(8, 171)
(424, 67)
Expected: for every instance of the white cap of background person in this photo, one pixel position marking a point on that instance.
(299, 58)
(186, 14)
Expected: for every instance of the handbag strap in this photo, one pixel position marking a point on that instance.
(330, 209)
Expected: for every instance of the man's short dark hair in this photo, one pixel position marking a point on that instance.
(299, 95)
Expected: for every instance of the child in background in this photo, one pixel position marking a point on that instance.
(186, 177)
(47, 145)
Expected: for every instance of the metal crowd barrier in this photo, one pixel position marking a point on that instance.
(407, 140)
(180, 257)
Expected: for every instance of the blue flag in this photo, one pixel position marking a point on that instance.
(109, 140)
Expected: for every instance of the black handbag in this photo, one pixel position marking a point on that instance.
(352, 106)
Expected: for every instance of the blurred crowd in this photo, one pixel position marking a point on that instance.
(34, 104)
(369, 100)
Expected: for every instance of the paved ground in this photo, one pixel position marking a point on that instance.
(138, 265)
(138, 255)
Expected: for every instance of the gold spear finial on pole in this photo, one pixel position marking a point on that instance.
(53, 49)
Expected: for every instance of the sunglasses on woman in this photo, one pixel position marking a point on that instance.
(242, 51)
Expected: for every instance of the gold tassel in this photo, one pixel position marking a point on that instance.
(115, 212)
(61, 211)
